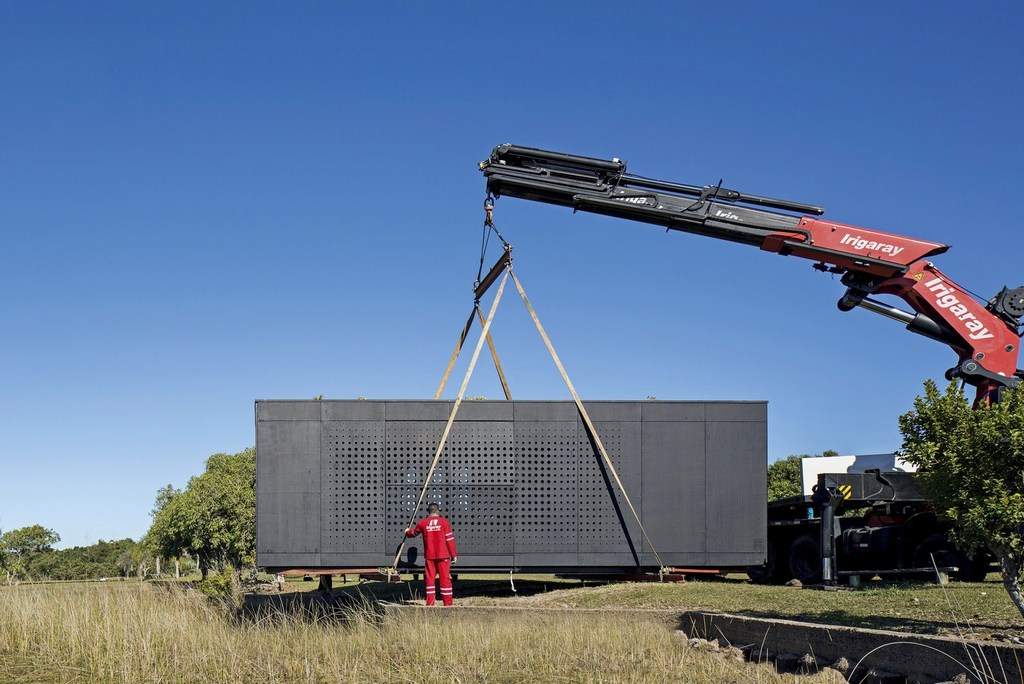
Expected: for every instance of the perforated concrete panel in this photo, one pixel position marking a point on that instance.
(521, 482)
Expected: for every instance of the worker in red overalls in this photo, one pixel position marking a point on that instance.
(438, 552)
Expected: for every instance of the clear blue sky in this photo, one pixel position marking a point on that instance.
(204, 204)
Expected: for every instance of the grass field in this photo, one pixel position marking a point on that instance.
(144, 632)
(134, 632)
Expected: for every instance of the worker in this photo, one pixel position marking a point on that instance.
(438, 552)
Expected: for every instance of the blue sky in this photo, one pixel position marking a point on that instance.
(205, 204)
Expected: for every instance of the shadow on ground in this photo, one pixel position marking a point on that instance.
(367, 596)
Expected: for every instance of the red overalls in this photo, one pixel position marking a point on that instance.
(438, 550)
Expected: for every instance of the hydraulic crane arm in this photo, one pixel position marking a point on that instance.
(985, 337)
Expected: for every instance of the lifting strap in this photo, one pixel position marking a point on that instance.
(494, 355)
(451, 419)
(503, 262)
(591, 430)
(455, 353)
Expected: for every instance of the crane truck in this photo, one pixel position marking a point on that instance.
(899, 533)
(880, 523)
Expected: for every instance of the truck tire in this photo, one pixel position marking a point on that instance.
(805, 559)
(937, 548)
(973, 569)
(769, 572)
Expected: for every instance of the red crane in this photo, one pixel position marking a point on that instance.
(985, 337)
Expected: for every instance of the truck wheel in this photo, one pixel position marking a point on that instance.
(937, 547)
(767, 573)
(973, 569)
(805, 559)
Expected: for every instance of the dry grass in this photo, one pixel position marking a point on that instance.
(144, 633)
(134, 632)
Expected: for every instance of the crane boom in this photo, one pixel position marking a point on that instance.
(985, 337)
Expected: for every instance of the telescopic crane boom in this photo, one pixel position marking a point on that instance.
(985, 337)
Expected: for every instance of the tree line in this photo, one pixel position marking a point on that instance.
(28, 553)
(210, 524)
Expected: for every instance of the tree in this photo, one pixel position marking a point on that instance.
(163, 497)
(163, 536)
(214, 518)
(971, 464)
(784, 479)
(102, 559)
(22, 546)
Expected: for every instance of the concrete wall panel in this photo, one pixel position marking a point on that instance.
(521, 482)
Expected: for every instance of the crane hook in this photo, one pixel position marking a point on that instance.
(489, 210)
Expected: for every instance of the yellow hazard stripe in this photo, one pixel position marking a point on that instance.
(846, 491)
